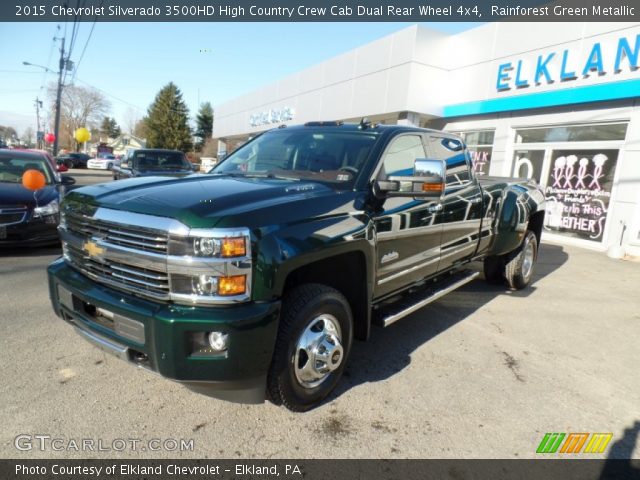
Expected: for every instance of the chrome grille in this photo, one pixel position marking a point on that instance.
(9, 216)
(153, 283)
(118, 234)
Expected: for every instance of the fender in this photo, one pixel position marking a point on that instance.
(315, 242)
(516, 206)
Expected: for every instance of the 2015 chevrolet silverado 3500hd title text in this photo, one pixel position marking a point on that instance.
(254, 279)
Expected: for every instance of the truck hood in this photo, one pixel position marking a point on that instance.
(205, 201)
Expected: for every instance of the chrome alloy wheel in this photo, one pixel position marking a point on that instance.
(318, 351)
(528, 258)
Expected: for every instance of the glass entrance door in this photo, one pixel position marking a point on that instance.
(575, 165)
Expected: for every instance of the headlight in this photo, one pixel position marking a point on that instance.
(210, 246)
(51, 208)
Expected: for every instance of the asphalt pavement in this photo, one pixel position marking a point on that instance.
(481, 373)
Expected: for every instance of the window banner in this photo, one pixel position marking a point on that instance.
(480, 159)
(578, 191)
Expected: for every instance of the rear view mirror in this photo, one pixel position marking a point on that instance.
(428, 181)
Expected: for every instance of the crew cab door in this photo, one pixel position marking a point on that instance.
(408, 237)
(460, 211)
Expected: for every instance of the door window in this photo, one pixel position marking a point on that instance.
(452, 151)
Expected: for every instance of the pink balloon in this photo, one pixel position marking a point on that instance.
(49, 138)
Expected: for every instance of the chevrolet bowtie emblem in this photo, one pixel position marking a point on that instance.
(92, 249)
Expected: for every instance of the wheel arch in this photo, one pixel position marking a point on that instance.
(346, 272)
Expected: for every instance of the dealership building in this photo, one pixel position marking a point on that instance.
(558, 102)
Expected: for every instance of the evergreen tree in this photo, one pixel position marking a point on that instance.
(204, 125)
(109, 128)
(167, 120)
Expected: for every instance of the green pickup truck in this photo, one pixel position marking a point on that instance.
(252, 281)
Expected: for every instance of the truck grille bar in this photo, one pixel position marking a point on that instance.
(148, 282)
(132, 252)
(127, 236)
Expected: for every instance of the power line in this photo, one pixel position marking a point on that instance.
(84, 49)
(110, 95)
(48, 64)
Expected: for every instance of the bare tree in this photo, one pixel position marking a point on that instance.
(131, 119)
(80, 107)
(28, 136)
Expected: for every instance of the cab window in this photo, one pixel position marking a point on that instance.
(452, 151)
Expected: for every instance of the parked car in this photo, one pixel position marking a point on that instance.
(104, 161)
(73, 159)
(26, 217)
(58, 167)
(255, 278)
(148, 162)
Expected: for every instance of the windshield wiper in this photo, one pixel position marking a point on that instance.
(254, 175)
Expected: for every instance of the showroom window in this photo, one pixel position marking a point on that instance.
(480, 145)
(575, 165)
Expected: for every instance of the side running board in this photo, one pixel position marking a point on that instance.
(416, 301)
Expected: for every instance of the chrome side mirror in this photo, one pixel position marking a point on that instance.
(428, 181)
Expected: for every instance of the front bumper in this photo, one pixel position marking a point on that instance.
(34, 232)
(156, 335)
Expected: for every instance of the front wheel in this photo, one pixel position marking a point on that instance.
(312, 348)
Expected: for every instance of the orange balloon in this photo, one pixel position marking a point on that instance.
(33, 180)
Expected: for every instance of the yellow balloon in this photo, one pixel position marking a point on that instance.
(82, 135)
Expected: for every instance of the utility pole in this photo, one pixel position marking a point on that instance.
(56, 129)
(38, 140)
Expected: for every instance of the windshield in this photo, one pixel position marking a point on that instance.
(12, 169)
(159, 161)
(106, 156)
(335, 157)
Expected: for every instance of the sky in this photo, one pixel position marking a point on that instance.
(130, 62)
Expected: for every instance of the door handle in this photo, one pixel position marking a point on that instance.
(477, 200)
(435, 208)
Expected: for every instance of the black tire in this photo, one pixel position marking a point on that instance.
(304, 308)
(109, 166)
(520, 264)
(494, 270)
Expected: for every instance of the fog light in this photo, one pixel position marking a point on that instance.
(205, 285)
(218, 341)
(234, 285)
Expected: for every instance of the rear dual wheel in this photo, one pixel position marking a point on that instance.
(516, 268)
(312, 348)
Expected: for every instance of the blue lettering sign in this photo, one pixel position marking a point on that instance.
(504, 75)
(594, 61)
(519, 82)
(541, 68)
(564, 75)
(624, 51)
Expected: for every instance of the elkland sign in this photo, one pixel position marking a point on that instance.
(567, 66)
